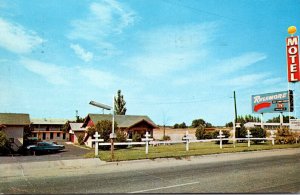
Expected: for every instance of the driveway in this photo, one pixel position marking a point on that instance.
(70, 152)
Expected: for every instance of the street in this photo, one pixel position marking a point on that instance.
(266, 174)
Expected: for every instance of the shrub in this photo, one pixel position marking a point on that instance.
(121, 137)
(225, 133)
(285, 136)
(200, 132)
(209, 135)
(81, 139)
(136, 137)
(166, 138)
(258, 132)
(4, 144)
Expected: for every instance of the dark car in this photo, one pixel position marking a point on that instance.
(45, 147)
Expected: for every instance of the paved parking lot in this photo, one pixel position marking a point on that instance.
(70, 152)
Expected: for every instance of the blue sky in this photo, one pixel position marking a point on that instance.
(174, 60)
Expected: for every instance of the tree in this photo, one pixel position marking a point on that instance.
(197, 122)
(258, 132)
(277, 119)
(4, 143)
(182, 125)
(200, 132)
(104, 128)
(230, 124)
(176, 126)
(120, 108)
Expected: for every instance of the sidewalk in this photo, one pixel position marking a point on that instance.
(77, 167)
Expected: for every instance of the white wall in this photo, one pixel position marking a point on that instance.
(17, 134)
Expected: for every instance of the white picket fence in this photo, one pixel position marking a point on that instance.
(149, 141)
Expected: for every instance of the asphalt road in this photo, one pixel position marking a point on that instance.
(70, 152)
(276, 174)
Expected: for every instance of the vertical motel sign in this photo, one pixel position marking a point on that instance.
(292, 51)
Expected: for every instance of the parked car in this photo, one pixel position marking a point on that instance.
(45, 147)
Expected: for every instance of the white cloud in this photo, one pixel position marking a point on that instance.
(170, 48)
(223, 69)
(16, 38)
(81, 53)
(105, 18)
(99, 78)
(52, 73)
(245, 81)
(239, 62)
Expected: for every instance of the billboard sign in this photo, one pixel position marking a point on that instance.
(295, 124)
(270, 102)
(292, 53)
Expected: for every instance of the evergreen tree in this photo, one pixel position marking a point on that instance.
(120, 108)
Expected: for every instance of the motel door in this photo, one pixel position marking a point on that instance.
(72, 137)
(44, 136)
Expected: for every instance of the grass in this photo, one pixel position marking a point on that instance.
(178, 150)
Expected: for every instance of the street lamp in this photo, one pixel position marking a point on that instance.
(112, 136)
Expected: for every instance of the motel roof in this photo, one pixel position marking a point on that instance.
(14, 119)
(49, 121)
(123, 121)
(76, 127)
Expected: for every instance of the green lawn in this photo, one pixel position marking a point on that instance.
(178, 150)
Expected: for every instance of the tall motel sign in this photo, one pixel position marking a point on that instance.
(283, 101)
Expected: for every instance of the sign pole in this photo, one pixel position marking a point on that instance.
(261, 120)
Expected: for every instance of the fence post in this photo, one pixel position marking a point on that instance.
(187, 140)
(248, 136)
(147, 139)
(273, 137)
(97, 140)
(220, 136)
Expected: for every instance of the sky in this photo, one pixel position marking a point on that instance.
(173, 60)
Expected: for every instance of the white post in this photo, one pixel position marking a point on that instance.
(97, 140)
(220, 136)
(248, 136)
(273, 137)
(187, 140)
(147, 139)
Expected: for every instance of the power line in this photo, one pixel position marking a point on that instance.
(176, 3)
(178, 102)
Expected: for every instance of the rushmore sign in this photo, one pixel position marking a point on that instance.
(271, 102)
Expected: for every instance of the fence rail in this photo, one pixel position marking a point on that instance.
(187, 140)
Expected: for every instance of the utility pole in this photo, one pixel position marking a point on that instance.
(235, 112)
(236, 131)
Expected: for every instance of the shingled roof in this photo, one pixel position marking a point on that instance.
(14, 119)
(123, 121)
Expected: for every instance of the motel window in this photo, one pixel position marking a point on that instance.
(11, 140)
(58, 135)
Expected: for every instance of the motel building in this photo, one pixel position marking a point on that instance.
(13, 125)
(75, 130)
(47, 129)
(130, 124)
(272, 126)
